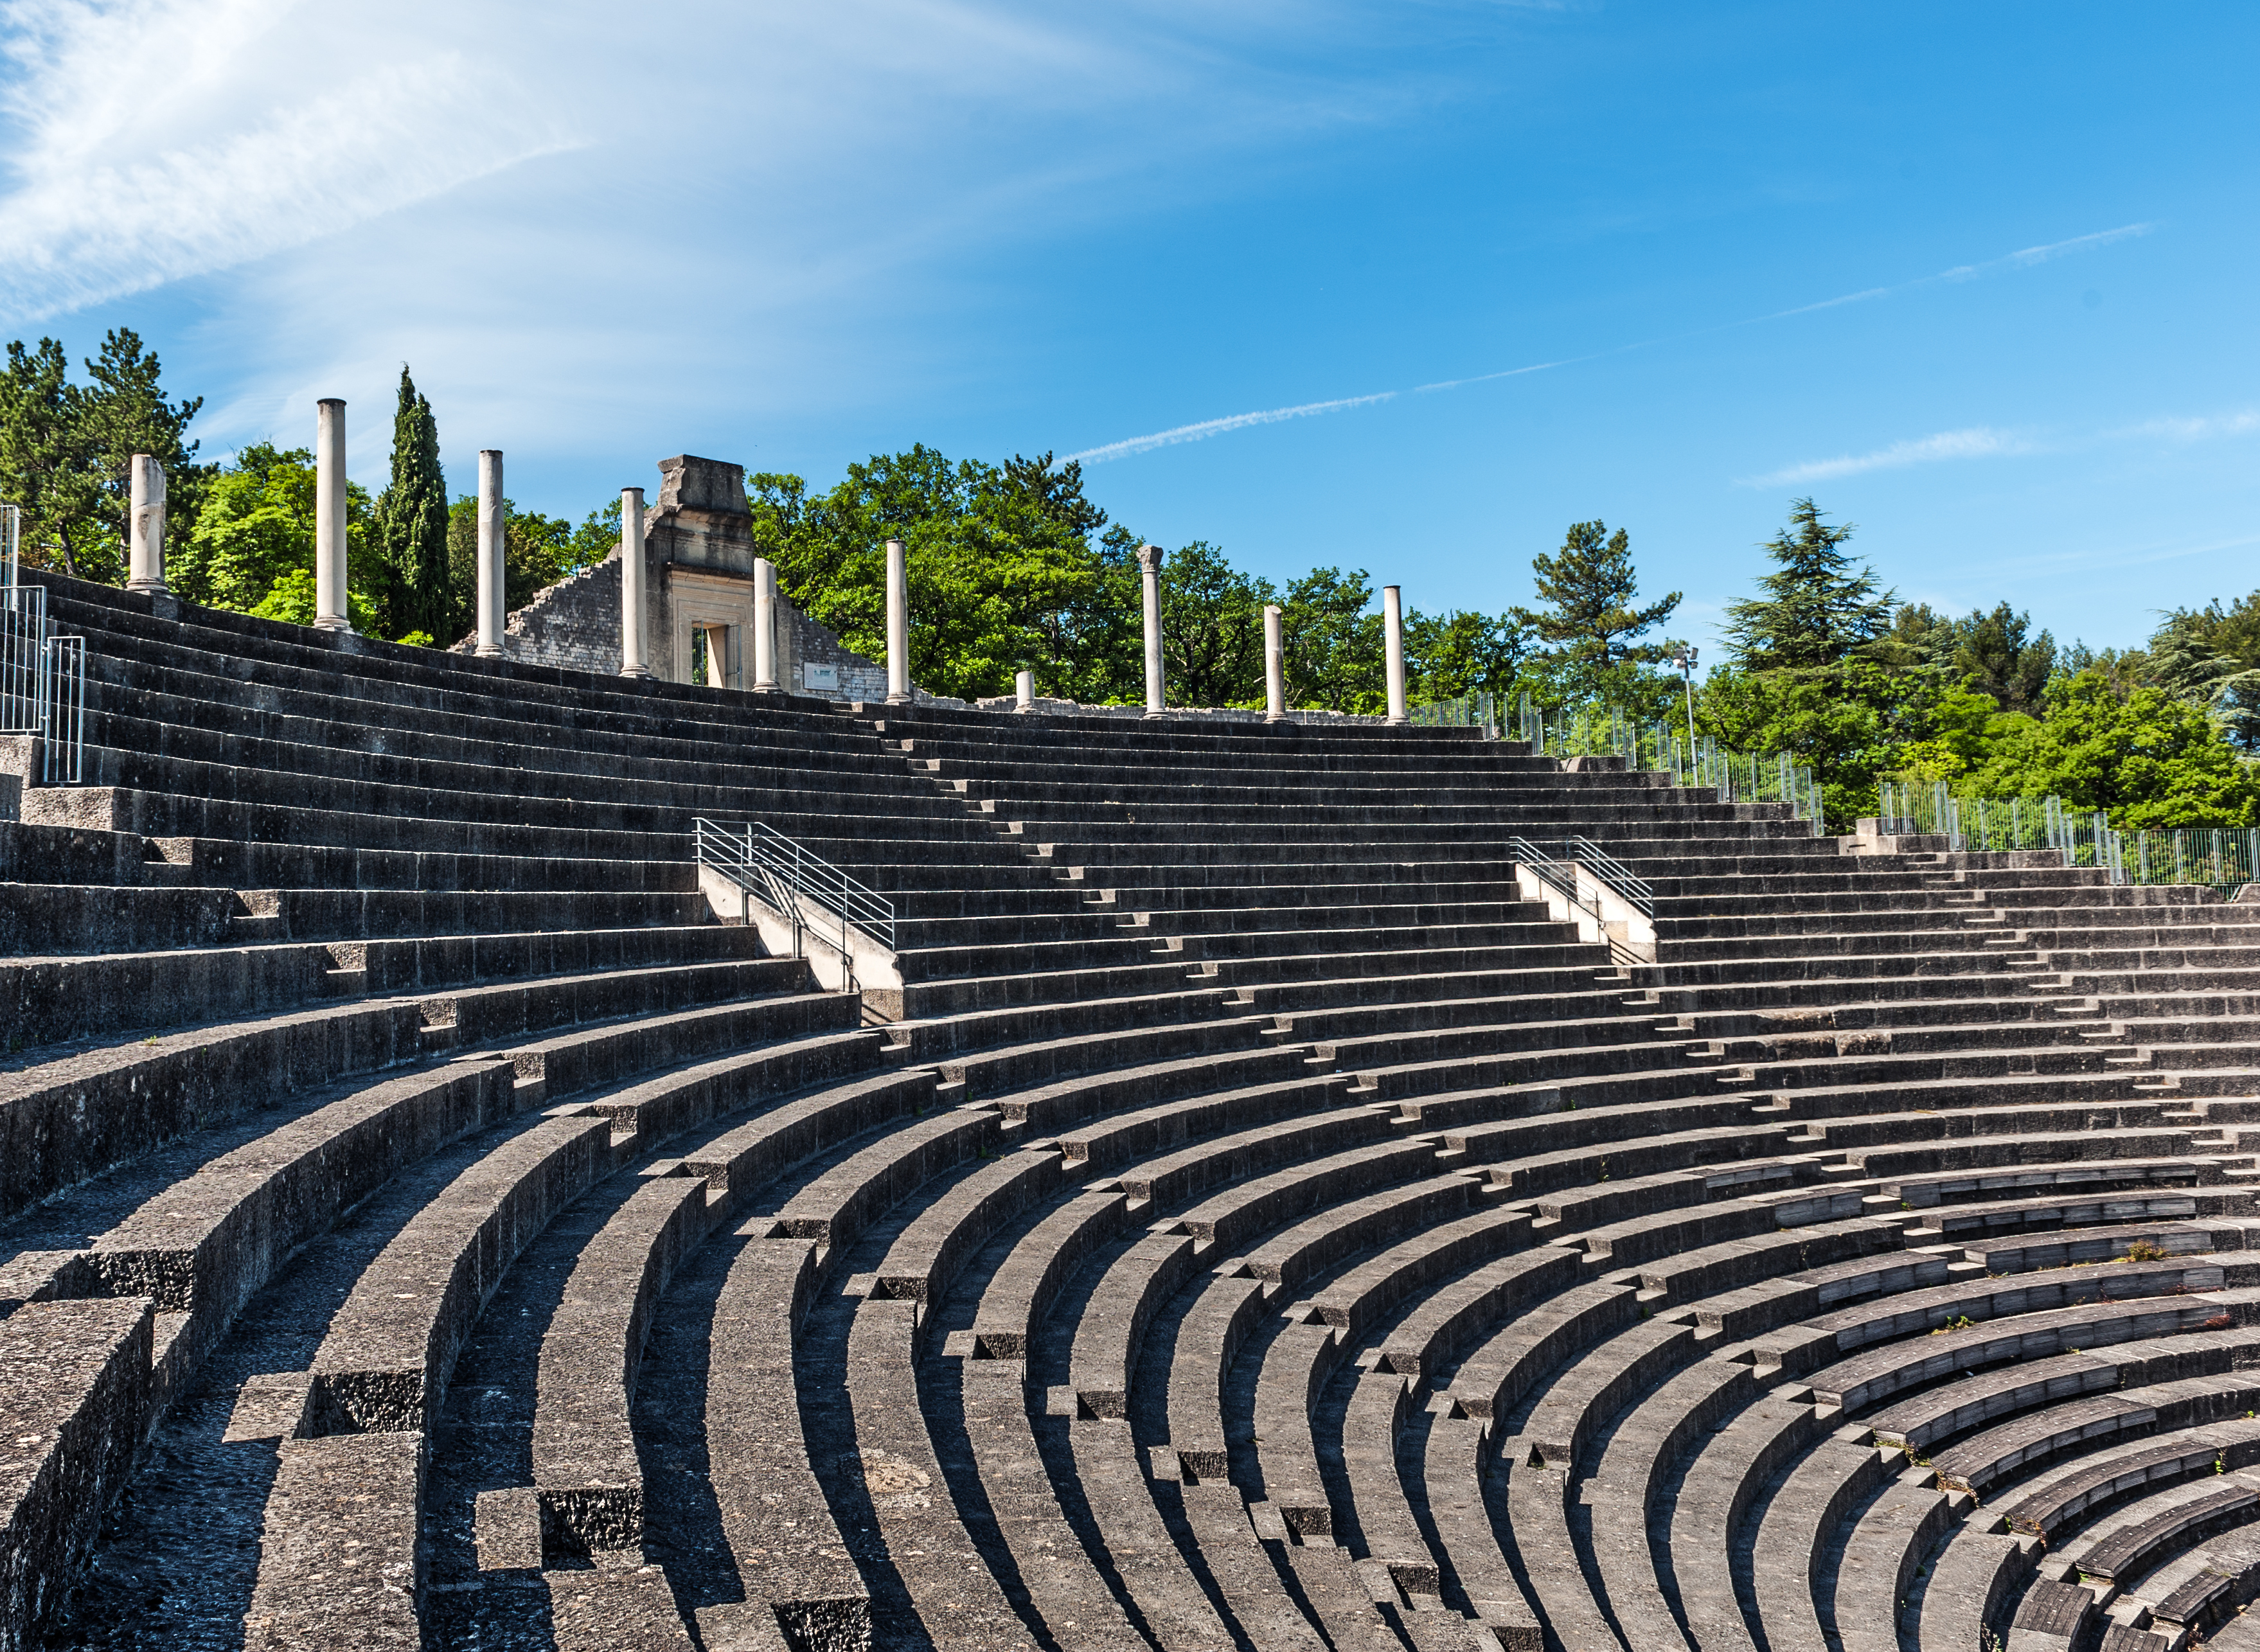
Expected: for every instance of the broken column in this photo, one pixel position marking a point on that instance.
(491, 548)
(1149, 565)
(631, 585)
(765, 676)
(898, 626)
(330, 611)
(1024, 691)
(1274, 668)
(1392, 627)
(145, 543)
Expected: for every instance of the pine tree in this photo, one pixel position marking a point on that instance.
(412, 522)
(1588, 587)
(1817, 608)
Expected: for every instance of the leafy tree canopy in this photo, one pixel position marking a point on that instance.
(255, 535)
(66, 451)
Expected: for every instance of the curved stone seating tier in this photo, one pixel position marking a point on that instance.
(1262, 1224)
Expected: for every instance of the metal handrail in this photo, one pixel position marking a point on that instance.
(1614, 873)
(42, 676)
(792, 877)
(63, 753)
(1549, 870)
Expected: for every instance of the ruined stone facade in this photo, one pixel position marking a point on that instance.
(698, 552)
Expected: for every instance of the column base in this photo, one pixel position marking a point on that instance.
(635, 671)
(1398, 722)
(1150, 716)
(767, 688)
(1278, 717)
(485, 653)
(331, 622)
(898, 699)
(148, 587)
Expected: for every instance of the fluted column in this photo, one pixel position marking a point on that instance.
(492, 533)
(1392, 625)
(1274, 668)
(633, 604)
(144, 541)
(1149, 565)
(329, 610)
(898, 626)
(765, 676)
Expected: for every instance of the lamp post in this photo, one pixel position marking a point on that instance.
(1685, 660)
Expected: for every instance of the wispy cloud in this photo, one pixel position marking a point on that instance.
(1978, 442)
(147, 143)
(2200, 429)
(1209, 427)
(1984, 441)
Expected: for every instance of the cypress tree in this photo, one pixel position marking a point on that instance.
(413, 517)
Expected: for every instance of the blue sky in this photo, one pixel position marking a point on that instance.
(1981, 279)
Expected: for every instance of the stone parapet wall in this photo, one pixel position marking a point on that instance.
(1042, 704)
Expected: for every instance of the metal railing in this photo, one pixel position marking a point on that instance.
(1481, 711)
(2225, 858)
(42, 675)
(1615, 874)
(1560, 876)
(815, 896)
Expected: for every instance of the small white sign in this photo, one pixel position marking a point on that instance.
(820, 679)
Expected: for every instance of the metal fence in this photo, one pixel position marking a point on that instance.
(2225, 857)
(1593, 729)
(42, 675)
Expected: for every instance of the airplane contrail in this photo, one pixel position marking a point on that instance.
(1130, 446)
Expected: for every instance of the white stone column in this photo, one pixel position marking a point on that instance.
(1392, 627)
(329, 610)
(1149, 566)
(765, 676)
(632, 602)
(491, 539)
(898, 626)
(1274, 668)
(145, 531)
(1024, 691)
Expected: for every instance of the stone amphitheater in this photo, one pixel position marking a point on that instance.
(1256, 1220)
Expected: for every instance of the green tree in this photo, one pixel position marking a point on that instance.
(2198, 656)
(66, 451)
(1458, 653)
(1592, 621)
(1996, 655)
(418, 592)
(1211, 628)
(2150, 760)
(1334, 646)
(1817, 608)
(1003, 570)
(251, 547)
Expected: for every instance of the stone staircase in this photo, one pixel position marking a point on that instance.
(1252, 1225)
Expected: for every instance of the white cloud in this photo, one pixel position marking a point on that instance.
(148, 143)
(1984, 442)
(1976, 443)
(1209, 427)
(2199, 429)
